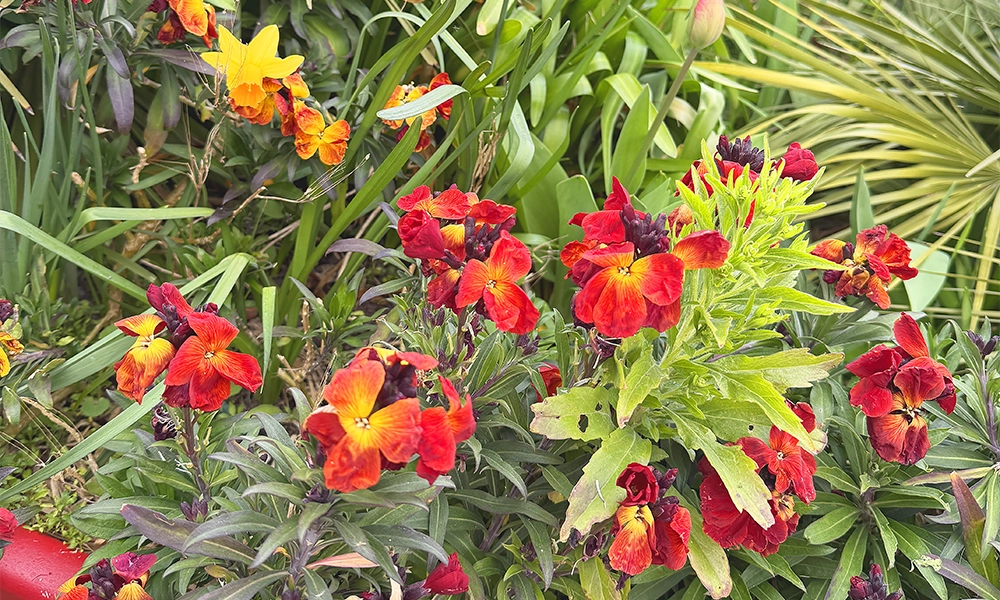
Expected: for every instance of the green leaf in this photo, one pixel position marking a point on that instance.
(173, 533)
(643, 377)
(861, 216)
(707, 557)
(737, 470)
(596, 580)
(427, 102)
(852, 560)
(595, 497)
(582, 413)
(963, 576)
(406, 537)
(973, 521)
(11, 406)
(246, 588)
(733, 419)
(541, 540)
(933, 271)
(794, 300)
(831, 526)
(504, 506)
(795, 368)
(753, 387)
(838, 479)
(629, 150)
(888, 537)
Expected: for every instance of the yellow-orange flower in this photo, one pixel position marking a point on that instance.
(312, 135)
(246, 65)
(9, 346)
(146, 359)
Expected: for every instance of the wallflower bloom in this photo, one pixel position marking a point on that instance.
(442, 431)
(201, 372)
(495, 283)
(146, 359)
(447, 579)
(354, 435)
(404, 94)
(786, 470)
(894, 383)
(868, 267)
(650, 527)
(799, 163)
(313, 135)
(246, 66)
(183, 17)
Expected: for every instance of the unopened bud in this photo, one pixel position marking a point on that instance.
(708, 18)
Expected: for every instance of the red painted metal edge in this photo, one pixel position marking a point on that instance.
(34, 565)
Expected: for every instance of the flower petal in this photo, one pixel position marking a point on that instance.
(324, 424)
(908, 336)
(352, 466)
(661, 277)
(141, 325)
(241, 369)
(217, 333)
(620, 311)
(630, 552)
(475, 276)
(192, 14)
(705, 249)
(672, 537)
(872, 395)
(437, 444)
(187, 361)
(396, 430)
(509, 259)
(352, 391)
(208, 389)
(510, 308)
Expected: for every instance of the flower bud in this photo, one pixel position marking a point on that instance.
(707, 21)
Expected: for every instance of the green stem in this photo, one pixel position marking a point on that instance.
(661, 114)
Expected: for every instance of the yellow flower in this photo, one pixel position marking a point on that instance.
(9, 346)
(246, 66)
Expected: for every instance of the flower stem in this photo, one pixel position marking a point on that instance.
(191, 450)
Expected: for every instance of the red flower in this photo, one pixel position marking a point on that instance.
(354, 435)
(8, 523)
(639, 484)
(868, 267)
(791, 466)
(146, 359)
(799, 163)
(442, 431)
(449, 204)
(448, 579)
(650, 528)
(488, 212)
(495, 283)
(731, 527)
(201, 372)
(552, 379)
(605, 226)
(133, 567)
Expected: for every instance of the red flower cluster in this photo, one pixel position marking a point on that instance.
(183, 17)
(373, 420)
(630, 272)
(734, 158)
(121, 578)
(785, 468)
(868, 267)
(650, 527)
(894, 383)
(408, 93)
(466, 250)
(195, 354)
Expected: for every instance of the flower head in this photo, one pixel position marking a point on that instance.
(708, 19)
(246, 65)
(650, 527)
(894, 383)
(146, 359)
(873, 588)
(312, 135)
(799, 163)
(354, 435)
(442, 431)
(785, 469)
(183, 17)
(494, 282)
(201, 372)
(868, 267)
(447, 579)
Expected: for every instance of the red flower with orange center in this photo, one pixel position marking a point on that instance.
(791, 466)
(183, 17)
(354, 435)
(442, 431)
(868, 267)
(146, 359)
(201, 372)
(495, 283)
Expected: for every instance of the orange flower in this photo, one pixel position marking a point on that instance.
(408, 93)
(201, 372)
(355, 436)
(868, 267)
(9, 346)
(311, 136)
(146, 359)
(495, 283)
(442, 431)
(631, 551)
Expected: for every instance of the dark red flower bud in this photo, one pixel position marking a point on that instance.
(448, 579)
(6, 310)
(639, 484)
(800, 164)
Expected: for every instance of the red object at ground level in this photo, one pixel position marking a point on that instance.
(34, 565)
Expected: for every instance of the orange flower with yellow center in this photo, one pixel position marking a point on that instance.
(312, 135)
(630, 552)
(355, 436)
(146, 359)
